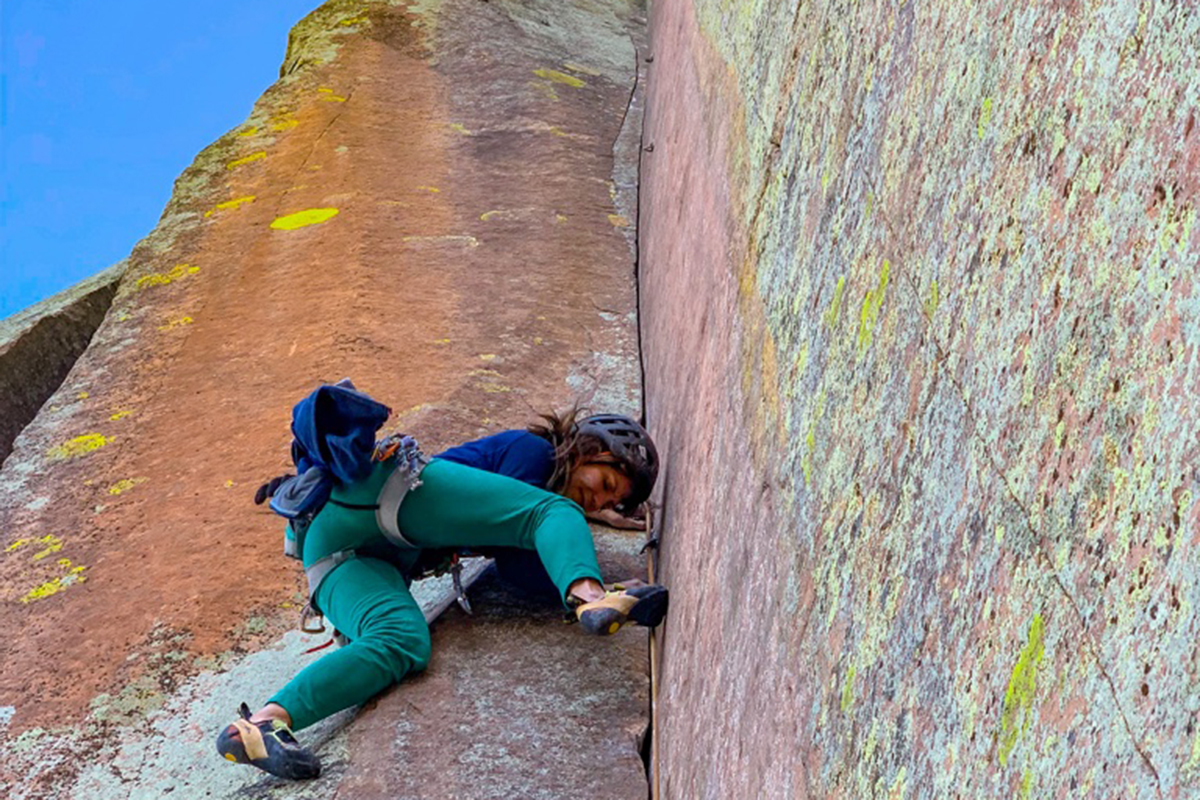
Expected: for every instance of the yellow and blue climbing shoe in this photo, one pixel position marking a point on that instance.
(645, 605)
(268, 745)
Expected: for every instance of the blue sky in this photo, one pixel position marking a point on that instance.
(102, 105)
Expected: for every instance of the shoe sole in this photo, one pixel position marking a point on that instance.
(651, 606)
(648, 612)
(294, 764)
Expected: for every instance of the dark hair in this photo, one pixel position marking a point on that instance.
(572, 448)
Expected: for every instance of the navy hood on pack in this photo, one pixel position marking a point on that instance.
(334, 430)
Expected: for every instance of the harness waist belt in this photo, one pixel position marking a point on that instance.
(404, 478)
(402, 481)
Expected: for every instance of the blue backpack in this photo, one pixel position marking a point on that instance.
(334, 430)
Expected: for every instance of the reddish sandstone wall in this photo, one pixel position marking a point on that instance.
(435, 200)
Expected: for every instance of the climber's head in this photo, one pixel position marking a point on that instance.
(600, 461)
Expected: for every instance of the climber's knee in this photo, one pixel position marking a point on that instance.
(403, 648)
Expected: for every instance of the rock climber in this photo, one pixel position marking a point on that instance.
(528, 489)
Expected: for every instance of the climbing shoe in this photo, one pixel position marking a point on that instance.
(268, 745)
(646, 605)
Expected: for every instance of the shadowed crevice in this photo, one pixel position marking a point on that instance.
(36, 361)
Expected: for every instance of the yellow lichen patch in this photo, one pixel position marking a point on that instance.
(810, 440)
(617, 221)
(50, 543)
(82, 396)
(441, 341)
(582, 70)
(559, 77)
(176, 323)
(79, 446)
(487, 215)
(1022, 685)
(460, 128)
(848, 690)
(835, 305)
(124, 485)
(487, 356)
(560, 217)
(230, 204)
(249, 131)
(283, 124)
(237, 162)
(354, 20)
(537, 340)
(229, 484)
(119, 415)
(328, 95)
(545, 88)
(557, 131)
(985, 115)
(931, 302)
(301, 219)
(17, 545)
(872, 303)
(72, 576)
(164, 278)
(431, 189)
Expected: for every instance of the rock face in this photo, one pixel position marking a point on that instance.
(436, 200)
(921, 323)
(39, 346)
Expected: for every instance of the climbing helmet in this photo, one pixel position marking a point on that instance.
(629, 443)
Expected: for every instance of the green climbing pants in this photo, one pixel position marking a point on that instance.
(368, 599)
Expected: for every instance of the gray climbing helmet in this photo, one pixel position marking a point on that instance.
(632, 445)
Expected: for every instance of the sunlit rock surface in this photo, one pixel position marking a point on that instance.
(437, 200)
(919, 295)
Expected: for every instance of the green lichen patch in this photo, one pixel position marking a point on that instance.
(1022, 686)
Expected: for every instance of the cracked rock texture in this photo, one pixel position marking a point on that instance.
(435, 199)
(921, 319)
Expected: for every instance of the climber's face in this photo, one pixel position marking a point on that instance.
(597, 484)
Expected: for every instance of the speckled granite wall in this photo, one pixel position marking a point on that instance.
(921, 318)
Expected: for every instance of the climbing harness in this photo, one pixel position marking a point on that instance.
(405, 478)
(406, 452)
